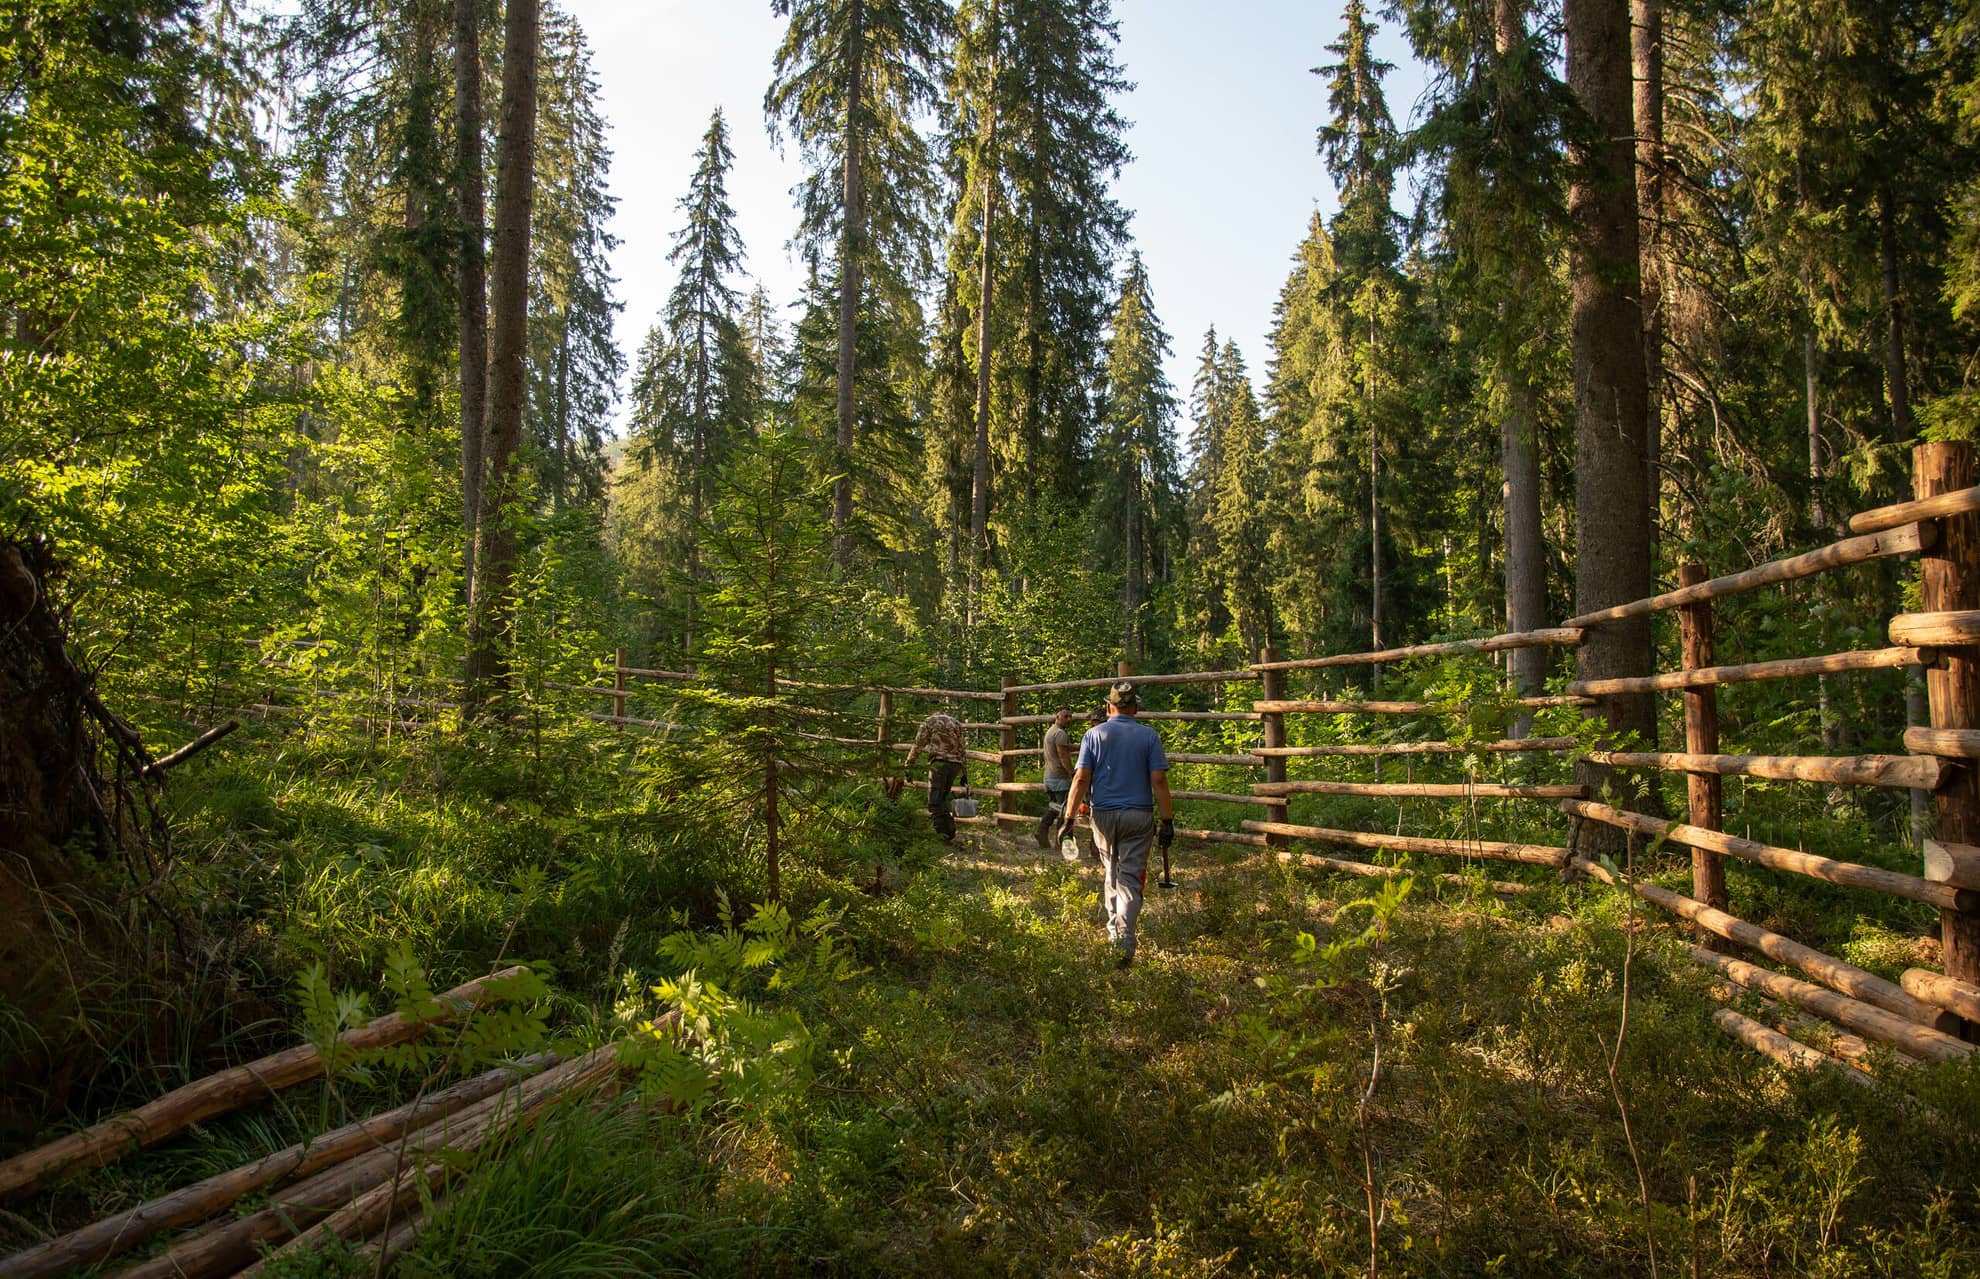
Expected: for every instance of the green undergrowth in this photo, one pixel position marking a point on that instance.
(944, 1075)
(987, 1095)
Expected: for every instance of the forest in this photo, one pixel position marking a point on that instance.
(453, 818)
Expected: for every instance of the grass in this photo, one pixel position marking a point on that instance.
(988, 1096)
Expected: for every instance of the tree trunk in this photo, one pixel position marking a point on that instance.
(491, 604)
(1647, 75)
(563, 413)
(473, 270)
(1131, 578)
(1374, 515)
(850, 248)
(1519, 454)
(979, 506)
(1612, 528)
(1895, 379)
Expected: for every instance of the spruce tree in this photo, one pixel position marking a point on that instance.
(1137, 511)
(850, 76)
(1493, 133)
(574, 361)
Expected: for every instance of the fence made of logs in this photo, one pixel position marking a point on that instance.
(1927, 1015)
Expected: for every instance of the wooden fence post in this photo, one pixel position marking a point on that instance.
(1951, 575)
(1273, 688)
(1006, 744)
(1701, 737)
(619, 685)
(883, 734)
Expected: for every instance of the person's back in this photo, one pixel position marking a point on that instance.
(1121, 754)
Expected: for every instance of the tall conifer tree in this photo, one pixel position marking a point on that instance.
(1137, 509)
(850, 75)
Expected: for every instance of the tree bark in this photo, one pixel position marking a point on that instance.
(473, 269)
(491, 603)
(1612, 528)
(1896, 381)
(851, 235)
(563, 413)
(1647, 76)
(979, 507)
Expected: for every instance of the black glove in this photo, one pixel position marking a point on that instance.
(1068, 826)
(1167, 836)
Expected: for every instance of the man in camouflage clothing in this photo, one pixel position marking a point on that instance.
(940, 737)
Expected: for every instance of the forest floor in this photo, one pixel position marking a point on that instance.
(992, 1097)
(947, 1075)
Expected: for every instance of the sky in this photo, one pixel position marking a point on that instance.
(1222, 121)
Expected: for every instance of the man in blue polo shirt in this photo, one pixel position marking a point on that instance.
(1124, 775)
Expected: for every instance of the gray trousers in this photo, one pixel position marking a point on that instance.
(1123, 836)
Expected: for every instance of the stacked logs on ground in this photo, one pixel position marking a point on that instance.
(121, 1232)
(220, 1093)
(419, 1169)
(1867, 1020)
(1788, 1052)
(1822, 1035)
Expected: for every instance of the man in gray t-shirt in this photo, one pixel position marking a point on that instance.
(1058, 754)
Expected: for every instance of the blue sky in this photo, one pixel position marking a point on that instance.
(1223, 114)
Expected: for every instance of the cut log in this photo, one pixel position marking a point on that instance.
(1910, 772)
(1816, 1031)
(1866, 1019)
(219, 1093)
(1873, 659)
(1957, 502)
(1954, 864)
(1944, 992)
(190, 749)
(1788, 1052)
(1139, 681)
(1530, 854)
(1018, 788)
(126, 1230)
(1560, 636)
(1367, 871)
(1423, 790)
(419, 1171)
(1955, 629)
(1953, 743)
(1833, 972)
(1508, 746)
(1853, 874)
(224, 1250)
(1218, 797)
(1906, 540)
(1329, 707)
(1241, 761)
(1221, 837)
(679, 677)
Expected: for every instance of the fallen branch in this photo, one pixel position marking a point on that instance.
(190, 749)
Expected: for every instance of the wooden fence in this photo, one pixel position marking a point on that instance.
(1928, 1015)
